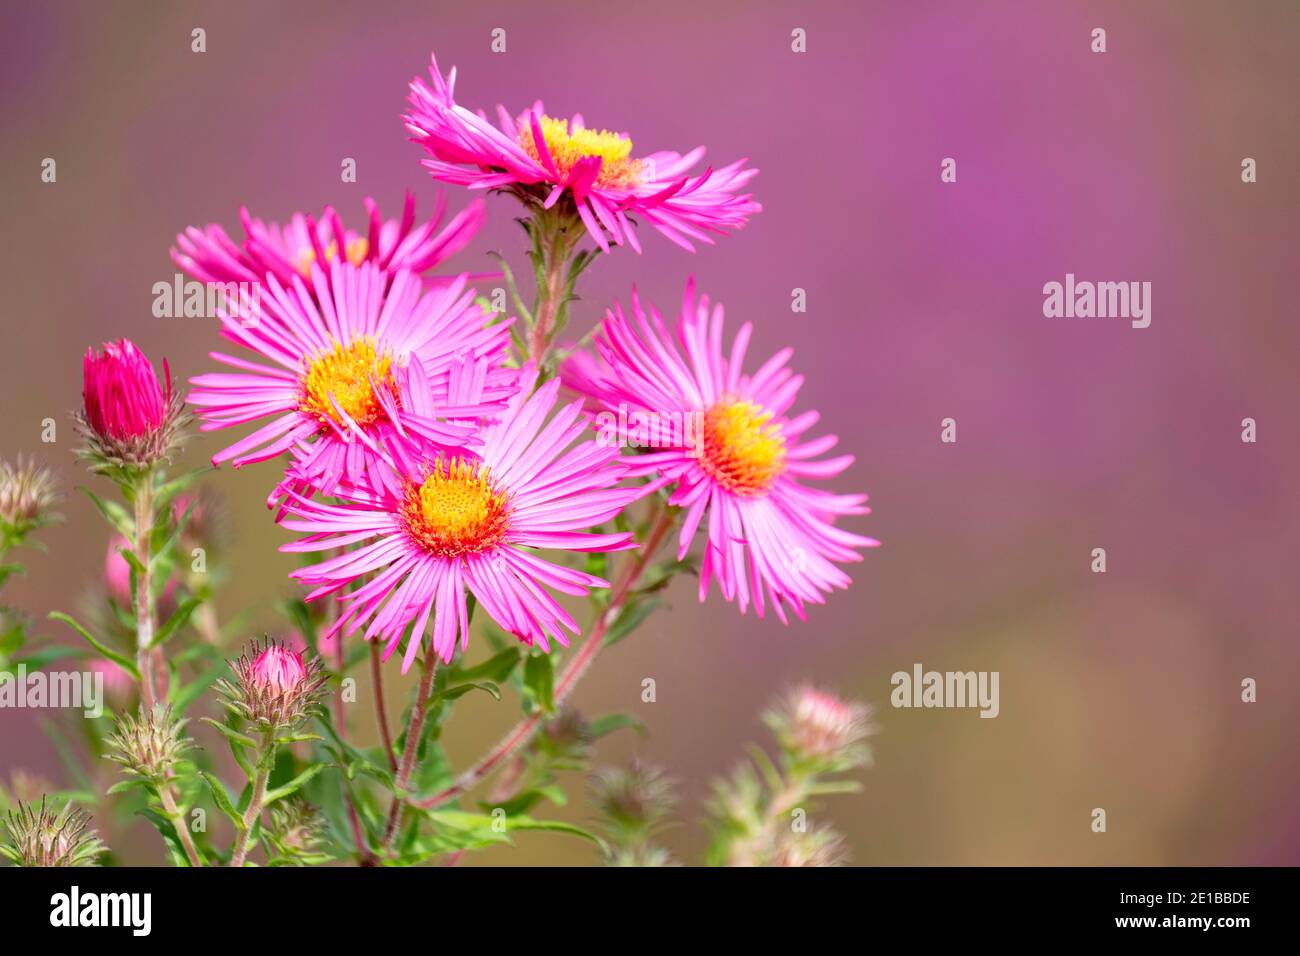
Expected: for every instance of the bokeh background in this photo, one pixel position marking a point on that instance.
(1119, 690)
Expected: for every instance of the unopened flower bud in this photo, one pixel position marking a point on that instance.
(278, 670)
(296, 829)
(815, 725)
(128, 417)
(274, 685)
(148, 745)
(27, 493)
(633, 799)
(45, 838)
(820, 846)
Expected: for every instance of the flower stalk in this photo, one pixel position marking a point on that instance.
(573, 672)
(265, 758)
(144, 604)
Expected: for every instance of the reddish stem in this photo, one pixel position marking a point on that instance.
(569, 677)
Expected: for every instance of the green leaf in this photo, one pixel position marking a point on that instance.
(163, 539)
(177, 620)
(496, 668)
(356, 759)
(231, 734)
(514, 289)
(292, 786)
(598, 564)
(834, 786)
(12, 639)
(163, 494)
(603, 726)
(660, 575)
(168, 832)
(113, 513)
(539, 679)
(131, 560)
(187, 694)
(125, 785)
(636, 611)
(222, 799)
(125, 663)
(489, 827)
(7, 569)
(45, 656)
(460, 690)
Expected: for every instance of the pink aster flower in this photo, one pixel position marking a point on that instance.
(549, 157)
(355, 364)
(729, 442)
(467, 525)
(288, 251)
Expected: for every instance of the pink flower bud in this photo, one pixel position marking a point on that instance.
(275, 687)
(820, 726)
(118, 684)
(117, 573)
(122, 395)
(278, 670)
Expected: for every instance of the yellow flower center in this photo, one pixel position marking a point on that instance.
(456, 510)
(567, 147)
(357, 249)
(742, 451)
(351, 375)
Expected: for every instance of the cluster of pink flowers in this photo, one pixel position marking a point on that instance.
(428, 463)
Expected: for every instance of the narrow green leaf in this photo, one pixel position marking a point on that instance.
(178, 619)
(631, 618)
(112, 512)
(125, 663)
(292, 786)
(539, 678)
(604, 726)
(222, 799)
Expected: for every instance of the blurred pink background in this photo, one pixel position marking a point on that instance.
(924, 302)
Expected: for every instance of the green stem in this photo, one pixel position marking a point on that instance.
(411, 751)
(240, 852)
(178, 824)
(144, 609)
(560, 233)
(523, 731)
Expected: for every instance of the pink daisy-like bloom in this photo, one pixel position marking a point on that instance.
(288, 251)
(728, 441)
(355, 364)
(468, 524)
(595, 167)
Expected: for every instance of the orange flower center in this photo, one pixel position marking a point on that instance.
(352, 376)
(743, 452)
(456, 510)
(568, 146)
(356, 251)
